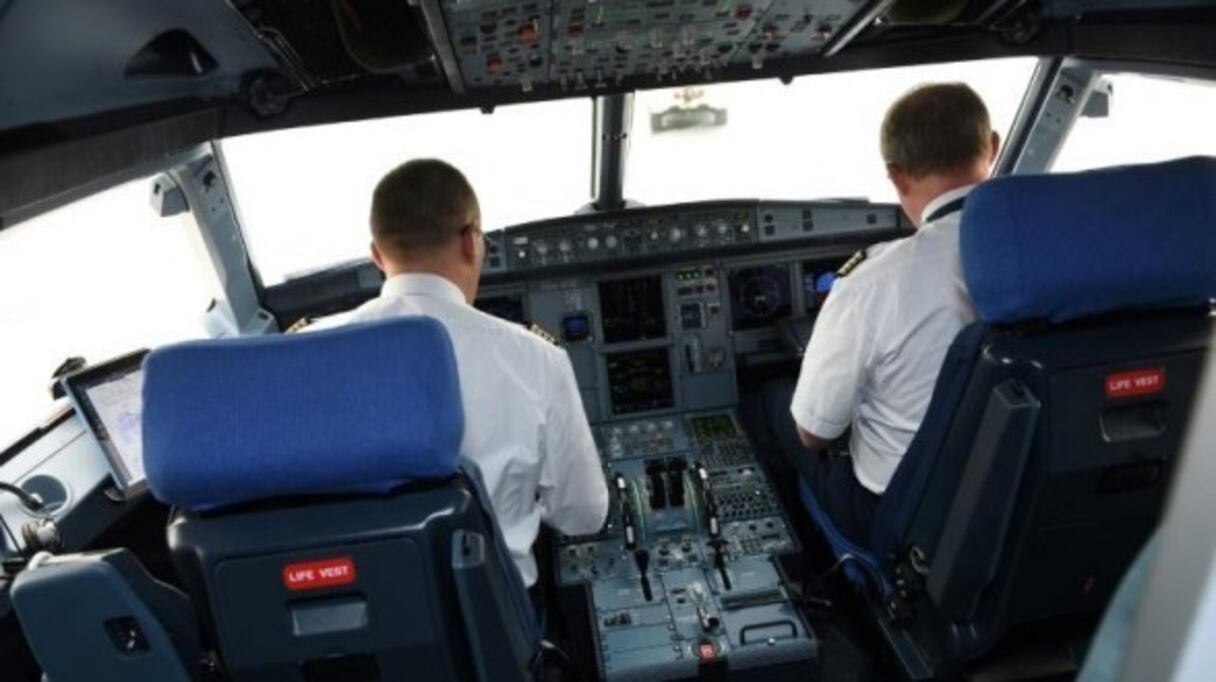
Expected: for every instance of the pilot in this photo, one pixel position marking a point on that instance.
(882, 334)
(524, 421)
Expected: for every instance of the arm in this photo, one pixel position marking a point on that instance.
(573, 493)
(811, 441)
(834, 368)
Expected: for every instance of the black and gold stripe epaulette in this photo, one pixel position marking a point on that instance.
(542, 333)
(851, 264)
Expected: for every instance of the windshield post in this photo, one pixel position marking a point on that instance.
(613, 119)
(1064, 93)
(237, 309)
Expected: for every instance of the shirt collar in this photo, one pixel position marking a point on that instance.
(422, 284)
(943, 199)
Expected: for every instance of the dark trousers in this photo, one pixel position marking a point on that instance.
(850, 505)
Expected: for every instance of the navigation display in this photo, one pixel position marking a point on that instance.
(759, 296)
(632, 309)
(640, 381)
(109, 397)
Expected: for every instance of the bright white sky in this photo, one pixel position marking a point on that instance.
(104, 275)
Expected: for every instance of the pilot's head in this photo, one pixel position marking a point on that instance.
(425, 218)
(936, 138)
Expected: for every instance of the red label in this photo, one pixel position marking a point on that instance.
(315, 575)
(1137, 382)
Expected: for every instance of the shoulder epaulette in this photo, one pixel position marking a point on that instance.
(542, 333)
(851, 264)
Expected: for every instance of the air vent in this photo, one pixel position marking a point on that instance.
(172, 54)
(382, 36)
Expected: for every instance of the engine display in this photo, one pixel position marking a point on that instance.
(759, 296)
(640, 381)
(632, 309)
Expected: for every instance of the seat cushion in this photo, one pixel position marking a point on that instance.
(361, 408)
(840, 544)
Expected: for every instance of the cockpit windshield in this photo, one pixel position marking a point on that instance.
(814, 138)
(304, 193)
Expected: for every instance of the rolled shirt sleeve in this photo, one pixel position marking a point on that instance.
(573, 493)
(834, 367)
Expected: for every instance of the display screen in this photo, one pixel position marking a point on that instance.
(632, 309)
(640, 381)
(759, 296)
(110, 399)
(817, 280)
(576, 328)
(713, 427)
(509, 308)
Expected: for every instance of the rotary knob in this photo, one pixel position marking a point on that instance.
(541, 247)
(676, 235)
(610, 241)
(721, 227)
(593, 243)
(564, 246)
(701, 230)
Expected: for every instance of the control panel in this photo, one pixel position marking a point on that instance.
(684, 572)
(641, 233)
(582, 45)
(538, 255)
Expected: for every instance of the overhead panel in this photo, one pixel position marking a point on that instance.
(579, 45)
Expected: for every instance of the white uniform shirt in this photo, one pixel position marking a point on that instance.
(524, 423)
(880, 341)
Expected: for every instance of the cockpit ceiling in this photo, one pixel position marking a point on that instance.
(79, 59)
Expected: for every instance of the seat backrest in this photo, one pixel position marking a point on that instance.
(1044, 458)
(326, 528)
(101, 616)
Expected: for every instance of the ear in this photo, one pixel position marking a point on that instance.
(899, 178)
(995, 144)
(469, 246)
(377, 257)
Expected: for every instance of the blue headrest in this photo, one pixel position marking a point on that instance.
(361, 408)
(1061, 247)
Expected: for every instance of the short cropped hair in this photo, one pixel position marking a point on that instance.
(420, 206)
(935, 129)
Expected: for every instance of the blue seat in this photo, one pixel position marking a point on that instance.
(326, 527)
(123, 625)
(1044, 458)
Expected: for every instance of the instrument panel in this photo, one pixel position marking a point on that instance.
(684, 571)
(581, 45)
